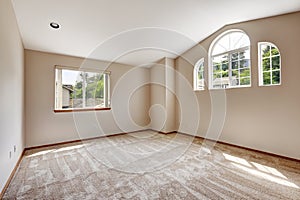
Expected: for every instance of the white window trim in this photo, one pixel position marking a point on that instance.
(196, 70)
(260, 71)
(210, 69)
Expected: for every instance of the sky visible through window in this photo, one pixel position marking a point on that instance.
(69, 77)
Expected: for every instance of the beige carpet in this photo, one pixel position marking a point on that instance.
(148, 165)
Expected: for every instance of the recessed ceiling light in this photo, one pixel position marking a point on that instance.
(54, 25)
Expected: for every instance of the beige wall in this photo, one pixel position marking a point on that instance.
(43, 126)
(170, 95)
(162, 94)
(262, 118)
(11, 87)
(158, 98)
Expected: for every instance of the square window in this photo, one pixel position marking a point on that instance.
(80, 89)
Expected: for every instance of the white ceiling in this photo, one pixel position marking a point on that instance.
(114, 30)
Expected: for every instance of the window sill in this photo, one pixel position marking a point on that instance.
(229, 88)
(80, 110)
(199, 90)
(270, 85)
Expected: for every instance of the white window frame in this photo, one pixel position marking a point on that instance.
(198, 65)
(106, 94)
(260, 67)
(210, 59)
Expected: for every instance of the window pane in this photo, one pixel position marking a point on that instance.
(267, 78)
(245, 81)
(77, 97)
(200, 75)
(234, 82)
(225, 66)
(201, 67)
(244, 73)
(225, 82)
(234, 65)
(275, 77)
(234, 57)
(245, 54)
(235, 73)
(276, 62)
(274, 51)
(217, 75)
(94, 90)
(220, 64)
(239, 40)
(242, 55)
(200, 84)
(217, 67)
(224, 58)
(69, 79)
(265, 50)
(220, 59)
(224, 74)
(245, 63)
(266, 64)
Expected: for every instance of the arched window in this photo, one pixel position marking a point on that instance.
(269, 63)
(229, 61)
(199, 75)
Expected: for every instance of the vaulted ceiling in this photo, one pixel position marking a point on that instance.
(133, 32)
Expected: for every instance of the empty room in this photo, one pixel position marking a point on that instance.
(140, 99)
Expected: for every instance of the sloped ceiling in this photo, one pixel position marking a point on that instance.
(134, 32)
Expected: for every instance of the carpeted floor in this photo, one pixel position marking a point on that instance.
(148, 165)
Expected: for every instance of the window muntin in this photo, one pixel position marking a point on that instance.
(199, 75)
(269, 64)
(230, 61)
(80, 89)
(230, 41)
